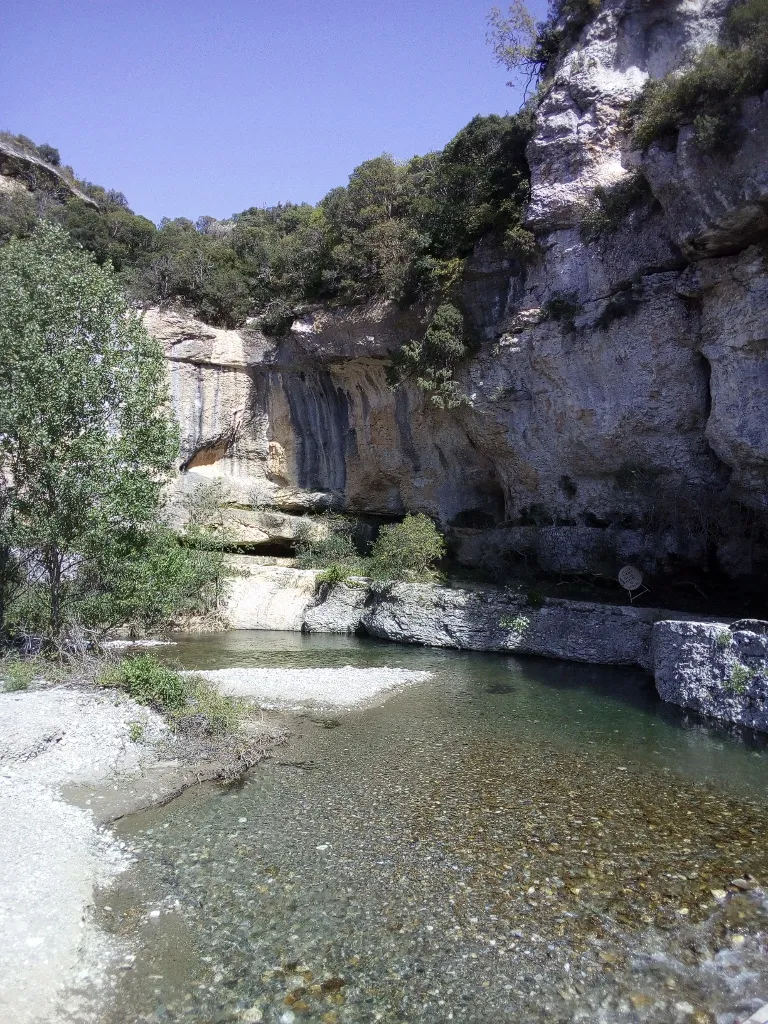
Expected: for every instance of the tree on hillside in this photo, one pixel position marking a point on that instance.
(86, 442)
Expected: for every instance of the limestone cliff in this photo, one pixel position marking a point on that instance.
(616, 403)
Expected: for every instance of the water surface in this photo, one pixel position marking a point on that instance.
(514, 839)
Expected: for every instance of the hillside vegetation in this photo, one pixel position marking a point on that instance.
(708, 93)
(393, 231)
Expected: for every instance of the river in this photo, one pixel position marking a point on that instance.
(512, 839)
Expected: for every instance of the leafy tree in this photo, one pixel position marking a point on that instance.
(111, 233)
(477, 184)
(395, 230)
(85, 446)
(49, 154)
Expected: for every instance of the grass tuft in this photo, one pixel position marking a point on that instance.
(194, 706)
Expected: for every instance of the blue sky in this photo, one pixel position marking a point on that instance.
(211, 106)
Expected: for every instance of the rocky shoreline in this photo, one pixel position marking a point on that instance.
(714, 667)
(72, 760)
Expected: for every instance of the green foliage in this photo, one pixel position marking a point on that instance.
(148, 579)
(394, 231)
(135, 732)
(193, 704)
(85, 448)
(430, 363)
(516, 625)
(205, 539)
(529, 49)
(612, 205)
(724, 638)
(328, 545)
(111, 233)
(740, 676)
(19, 211)
(406, 550)
(45, 152)
(563, 307)
(17, 673)
(148, 682)
(708, 93)
(336, 573)
(520, 244)
(206, 711)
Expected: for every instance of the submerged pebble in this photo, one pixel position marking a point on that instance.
(490, 860)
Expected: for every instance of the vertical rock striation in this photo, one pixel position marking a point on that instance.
(616, 400)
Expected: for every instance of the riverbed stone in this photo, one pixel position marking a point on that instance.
(714, 670)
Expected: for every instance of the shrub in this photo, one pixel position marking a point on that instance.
(520, 244)
(711, 132)
(613, 203)
(336, 548)
(723, 638)
(707, 94)
(49, 154)
(334, 574)
(739, 677)
(196, 708)
(407, 550)
(149, 682)
(17, 673)
(430, 363)
(517, 625)
(207, 712)
(135, 732)
(563, 307)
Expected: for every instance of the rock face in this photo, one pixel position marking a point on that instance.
(486, 619)
(471, 618)
(269, 597)
(628, 429)
(714, 669)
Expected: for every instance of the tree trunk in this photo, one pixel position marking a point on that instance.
(53, 565)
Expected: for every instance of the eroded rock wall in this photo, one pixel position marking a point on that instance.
(592, 437)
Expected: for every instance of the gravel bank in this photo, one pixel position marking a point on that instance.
(62, 745)
(52, 854)
(315, 688)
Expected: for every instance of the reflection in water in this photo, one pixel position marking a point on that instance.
(513, 839)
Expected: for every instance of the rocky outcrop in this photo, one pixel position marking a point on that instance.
(615, 407)
(487, 619)
(471, 618)
(268, 597)
(715, 669)
(19, 165)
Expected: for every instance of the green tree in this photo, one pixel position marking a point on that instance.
(85, 444)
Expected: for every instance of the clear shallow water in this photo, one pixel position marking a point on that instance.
(514, 839)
